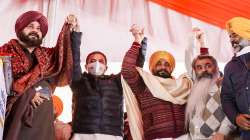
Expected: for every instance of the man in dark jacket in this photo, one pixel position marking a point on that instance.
(235, 93)
(97, 99)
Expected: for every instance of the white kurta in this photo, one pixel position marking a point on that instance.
(77, 136)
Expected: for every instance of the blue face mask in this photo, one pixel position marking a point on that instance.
(96, 68)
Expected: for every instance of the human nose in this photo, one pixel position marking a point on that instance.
(204, 68)
(35, 30)
(163, 67)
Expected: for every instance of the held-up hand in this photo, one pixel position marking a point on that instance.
(73, 22)
(38, 100)
(218, 136)
(137, 32)
(243, 121)
(199, 34)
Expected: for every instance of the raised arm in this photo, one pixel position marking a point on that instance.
(76, 36)
(196, 41)
(69, 50)
(76, 43)
(142, 53)
(134, 58)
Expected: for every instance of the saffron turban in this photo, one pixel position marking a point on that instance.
(240, 26)
(156, 56)
(58, 105)
(28, 17)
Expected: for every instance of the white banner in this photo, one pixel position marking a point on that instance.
(3, 98)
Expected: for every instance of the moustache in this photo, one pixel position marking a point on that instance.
(33, 34)
(205, 75)
(163, 74)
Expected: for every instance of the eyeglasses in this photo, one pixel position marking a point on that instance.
(206, 66)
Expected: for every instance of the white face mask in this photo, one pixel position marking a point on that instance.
(96, 68)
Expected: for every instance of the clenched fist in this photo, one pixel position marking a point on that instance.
(73, 22)
(137, 32)
(199, 34)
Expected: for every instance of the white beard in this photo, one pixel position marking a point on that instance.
(198, 98)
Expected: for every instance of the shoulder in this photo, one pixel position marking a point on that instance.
(9, 44)
(233, 65)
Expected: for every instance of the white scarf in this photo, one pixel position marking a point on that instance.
(160, 88)
(172, 90)
(243, 51)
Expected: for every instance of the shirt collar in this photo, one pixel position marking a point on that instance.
(243, 51)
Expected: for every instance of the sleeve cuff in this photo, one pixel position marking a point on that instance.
(79, 33)
(136, 44)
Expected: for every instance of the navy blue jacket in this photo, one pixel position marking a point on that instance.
(235, 94)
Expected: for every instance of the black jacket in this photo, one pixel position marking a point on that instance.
(235, 93)
(98, 105)
(97, 101)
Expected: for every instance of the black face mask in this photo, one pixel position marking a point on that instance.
(163, 74)
(30, 42)
(205, 75)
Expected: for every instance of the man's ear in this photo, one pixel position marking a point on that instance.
(153, 71)
(106, 68)
(86, 67)
(217, 69)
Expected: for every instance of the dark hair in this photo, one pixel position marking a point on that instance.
(200, 57)
(96, 52)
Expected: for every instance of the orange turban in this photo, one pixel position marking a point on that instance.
(28, 17)
(58, 105)
(156, 56)
(240, 26)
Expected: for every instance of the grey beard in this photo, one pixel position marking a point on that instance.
(197, 99)
(243, 43)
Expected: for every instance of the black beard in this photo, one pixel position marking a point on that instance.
(28, 41)
(163, 74)
(204, 75)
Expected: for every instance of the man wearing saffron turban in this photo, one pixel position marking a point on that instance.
(58, 105)
(155, 101)
(36, 72)
(235, 93)
(62, 130)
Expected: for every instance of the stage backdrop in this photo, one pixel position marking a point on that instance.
(105, 25)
